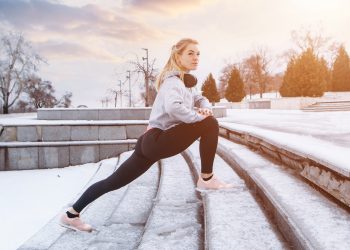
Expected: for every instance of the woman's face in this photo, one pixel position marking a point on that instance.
(189, 57)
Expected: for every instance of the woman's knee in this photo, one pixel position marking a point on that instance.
(211, 123)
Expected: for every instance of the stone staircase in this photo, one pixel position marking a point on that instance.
(283, 198)
(328, 106)
(270, 207)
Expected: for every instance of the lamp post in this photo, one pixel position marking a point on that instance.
(146, 76)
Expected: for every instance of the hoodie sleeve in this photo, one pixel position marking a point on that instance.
(201, 101)
(174, 103)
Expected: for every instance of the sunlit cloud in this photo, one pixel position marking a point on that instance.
(65, 51)
(88, 20)
(165, 6)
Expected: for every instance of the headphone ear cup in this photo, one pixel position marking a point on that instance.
(190, 80)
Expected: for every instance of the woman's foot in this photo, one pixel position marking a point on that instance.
(213, 183)
(74, 223)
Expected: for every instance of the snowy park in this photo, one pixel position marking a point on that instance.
(164, 215)
(175, 125)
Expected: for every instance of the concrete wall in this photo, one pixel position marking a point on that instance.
(77, 132)
(39, 155)
(104, 114)
(285, 102)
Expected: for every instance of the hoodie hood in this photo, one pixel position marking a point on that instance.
(189, 79)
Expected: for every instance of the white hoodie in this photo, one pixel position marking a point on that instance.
(175, 104)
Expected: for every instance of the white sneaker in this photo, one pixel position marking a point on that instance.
(213, 183)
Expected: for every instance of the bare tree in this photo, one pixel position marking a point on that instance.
(255, 70)
(105, 100)
(305, 39)
(224, 77)
(40, 93)
(66, 100)
(148, 71)
(17, 62)
(114, 93)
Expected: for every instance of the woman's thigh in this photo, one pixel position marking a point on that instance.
(158, 144)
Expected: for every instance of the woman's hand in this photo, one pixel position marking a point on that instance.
(204, 111)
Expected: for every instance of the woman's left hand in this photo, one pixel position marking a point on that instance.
(205, 111)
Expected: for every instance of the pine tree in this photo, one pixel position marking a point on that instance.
(341, 71)
(326, 74)
(209, 89)
(235, 87)
(306, 75)
(289, 86)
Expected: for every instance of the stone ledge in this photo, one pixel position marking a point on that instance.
(39, 155)
(106, 114)
(76, 132)
(335, 181)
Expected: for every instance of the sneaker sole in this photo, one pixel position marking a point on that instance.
(204, 190)
(73, 228)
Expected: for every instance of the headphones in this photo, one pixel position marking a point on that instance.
(189, 80)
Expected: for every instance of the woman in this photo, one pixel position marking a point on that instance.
(174, 125)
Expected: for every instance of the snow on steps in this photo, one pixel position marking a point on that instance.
(175, 220)
(52, 231)
(328, 106)
(305, 217)
(233, 218)
(105, 214)
(308, 156)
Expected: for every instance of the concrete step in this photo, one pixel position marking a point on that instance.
(52, 231)
(328, 106)
(141, 113)
(116, 225)
(38, 155)
(307, 219)
(326, 171)
(233, 218)
(325, 109)
(176, 212)
(40, 131)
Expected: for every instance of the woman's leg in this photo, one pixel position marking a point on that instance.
(152, 146)
(132, 168)
(163, 144)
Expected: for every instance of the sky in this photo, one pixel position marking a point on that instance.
(88, 45)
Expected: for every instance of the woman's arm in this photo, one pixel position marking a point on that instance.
(201, 101)
(174, 104)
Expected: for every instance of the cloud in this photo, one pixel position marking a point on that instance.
(66, 51)
(165, 6)
(85, 21)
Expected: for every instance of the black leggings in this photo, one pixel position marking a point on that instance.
(153, 145)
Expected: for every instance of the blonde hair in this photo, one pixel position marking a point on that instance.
(173, 63)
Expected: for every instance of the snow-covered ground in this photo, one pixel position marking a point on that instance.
(29, 199)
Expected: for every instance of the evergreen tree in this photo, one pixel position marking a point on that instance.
(341, 71)
(235, 87)
(326, 74)
(306, 75)
(289, 86)
(209, 89)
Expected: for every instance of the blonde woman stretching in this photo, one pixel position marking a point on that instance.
(174, 125)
